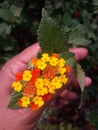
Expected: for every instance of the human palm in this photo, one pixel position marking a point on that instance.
(25, 119)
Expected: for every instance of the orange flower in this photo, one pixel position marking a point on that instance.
(34, 61)
(49, 72)
(67, 69)
(35, 72)
(19, 102)
(47, 97)
(55, 55)
(18, 76)
(33, 79)
(33, 106)
(29, 90)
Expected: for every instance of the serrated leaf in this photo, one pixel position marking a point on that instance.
(14, 99)
(69, 57)
(80, 76)
(50, 36)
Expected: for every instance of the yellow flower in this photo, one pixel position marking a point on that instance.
(27, 75)
(46, 82)
(41, 64)
(39, 83)
(62, 70)
(51, 89)
(64, 79)
(17, 86)
(53, 61)
(27, 72)
(38, 101)
(56, 82)
(61, 62)
(45, 57)
(25, 101)
(42, 91)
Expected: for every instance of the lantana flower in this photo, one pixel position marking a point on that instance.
(44, 77)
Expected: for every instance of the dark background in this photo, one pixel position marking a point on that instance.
(19, 21)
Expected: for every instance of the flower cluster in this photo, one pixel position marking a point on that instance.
(37, 84)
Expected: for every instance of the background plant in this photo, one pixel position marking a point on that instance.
(19, 20)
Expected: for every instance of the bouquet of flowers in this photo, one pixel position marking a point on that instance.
(47, 72)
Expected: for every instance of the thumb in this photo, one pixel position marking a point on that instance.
(18, 63)
(28, 53)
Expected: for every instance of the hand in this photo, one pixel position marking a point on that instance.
(66, 96)
(80, 53)
(23, 119)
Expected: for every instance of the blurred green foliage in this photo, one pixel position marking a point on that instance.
(19, 20)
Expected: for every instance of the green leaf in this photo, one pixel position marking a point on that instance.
(80, 41)
(14, 99)
(5, 29)
(92, 117)
(16, 10)
(50, 36)
(6, 15)
(8, 29)
(80, 76)
(67, 20)
(69, 57)
(95, 2)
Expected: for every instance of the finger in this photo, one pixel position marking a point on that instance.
(80, 53)
(19, 62)
(28, 53)
(75, 83)
(88, 81)
(68, 95)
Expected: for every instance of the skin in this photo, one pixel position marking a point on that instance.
(25, 119)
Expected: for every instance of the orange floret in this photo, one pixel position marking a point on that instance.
(35, 72)
(49, 72)
(34, 61)
(19, 102)
(47, 97)
(55, 55)
(29, 90)
(18, 76)
(67, 69)
(33, 106)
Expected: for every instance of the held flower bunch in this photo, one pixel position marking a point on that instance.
(48, 73)
(37, 84)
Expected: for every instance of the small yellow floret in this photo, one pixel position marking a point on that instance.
(45, 57)
(25, 101)
(38, 101)
(39, 83)
(51, 89)
(17, 86)
(56, 82)
(64, 79)
(27, 72)
(62, 70)
(41, 64)
(53, 61)
(46, 82)
(27, 75)
(42, 91)
(61, 62)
